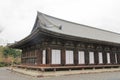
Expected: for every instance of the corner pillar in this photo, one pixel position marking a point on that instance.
(22, 55)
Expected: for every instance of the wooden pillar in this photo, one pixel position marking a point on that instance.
(104, 54)
(63, 56)
(48, 56)
(39, 56)
(86, 57)
(22, 55)
(112, 57)
(75, 56)
(118, 57)
(96, 57)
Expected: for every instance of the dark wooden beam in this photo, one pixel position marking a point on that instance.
(39, 56)
(96, 57)
(112, 57)
(63, 56)
(48, 55)
(76, 56)
(118, 57)
(104, 54)
(86, 57)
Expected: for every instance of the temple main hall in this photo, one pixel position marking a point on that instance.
(59, 44)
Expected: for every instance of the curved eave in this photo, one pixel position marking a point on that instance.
(47, 32)
(25, 40)
(75, 38)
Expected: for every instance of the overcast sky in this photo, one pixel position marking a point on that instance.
(17, 17)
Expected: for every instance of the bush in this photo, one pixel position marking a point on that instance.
(3, 64)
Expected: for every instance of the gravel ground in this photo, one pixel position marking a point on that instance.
(8, 75)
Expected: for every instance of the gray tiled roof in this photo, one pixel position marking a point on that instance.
(74, 29)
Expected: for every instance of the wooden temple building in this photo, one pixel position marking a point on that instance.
(59, 44)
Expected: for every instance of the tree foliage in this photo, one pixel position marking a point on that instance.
(9, 56)
(11, 52)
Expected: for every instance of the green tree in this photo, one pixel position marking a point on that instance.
(11, 52)
(6, 52)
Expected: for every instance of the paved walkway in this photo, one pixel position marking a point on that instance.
(62, 73)
(8, 75)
